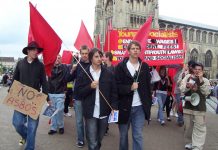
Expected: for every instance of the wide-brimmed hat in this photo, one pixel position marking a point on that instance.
(32, 45)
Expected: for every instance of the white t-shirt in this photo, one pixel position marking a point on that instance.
(136, 99)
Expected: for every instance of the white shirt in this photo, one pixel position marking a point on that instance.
(96, 76)
(136, 99)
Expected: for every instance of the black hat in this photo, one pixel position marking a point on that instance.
(32, 45)
(191, 63)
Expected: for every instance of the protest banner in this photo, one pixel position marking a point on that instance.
(164, 47)
(25, 99)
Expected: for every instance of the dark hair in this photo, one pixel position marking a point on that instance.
(198, 64)
(92, 52)
(135, 43)
(84, 47)
(191, 63)
(110, 55)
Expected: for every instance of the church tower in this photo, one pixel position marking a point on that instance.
(123, 14)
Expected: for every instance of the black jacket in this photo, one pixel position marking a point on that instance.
(74, 76)
(58, 80)
(107, 86)
(124, 82)
(31, 74)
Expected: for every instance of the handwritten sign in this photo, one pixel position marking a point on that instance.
(25, 99)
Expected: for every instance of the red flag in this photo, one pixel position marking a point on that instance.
(30, 36)
(142, 36)
(83, 38)
(98, 42)
(46, 37)
(67, 57)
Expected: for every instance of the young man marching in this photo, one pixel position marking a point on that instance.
(96, 108)
(29, 71)
(134, 94)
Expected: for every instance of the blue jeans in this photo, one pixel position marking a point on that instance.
(137, 121)
(95, 130)
(57, 121)
(180, 115)
(27, 132)
(161, 99)
(79, 120)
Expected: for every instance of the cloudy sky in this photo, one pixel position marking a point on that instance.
(65, 17)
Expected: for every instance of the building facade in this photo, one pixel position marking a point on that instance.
(7, 62)
(201, 40)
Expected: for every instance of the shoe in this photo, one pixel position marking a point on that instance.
(188, 146)
(80, 144)
(51, 132)
(168, 119)
(171, 113)
(22, 142)
(162, 123)
(61, 131)
(68, 114)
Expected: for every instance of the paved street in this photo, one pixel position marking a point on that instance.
(169, 137)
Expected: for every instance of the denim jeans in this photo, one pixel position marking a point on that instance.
(217, 109)
(137, 121)
(26, 127)
(57, 121)
(180, 115)
(79, 120)
(95, 130)
(161, 98)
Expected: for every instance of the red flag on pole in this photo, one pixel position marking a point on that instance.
(46, 37)
(67, 57)
(83, 38)
(142, 36)
(30, 36)
(98, 42)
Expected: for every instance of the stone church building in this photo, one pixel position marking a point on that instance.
(201, 40)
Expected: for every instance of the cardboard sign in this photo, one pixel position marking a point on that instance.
(25, 99)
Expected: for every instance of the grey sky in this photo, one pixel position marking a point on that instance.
(65, 17)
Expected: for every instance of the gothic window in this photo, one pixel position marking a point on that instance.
(210, 38)
(208, 58)
(170, 27)
(198, 35)
(194, 55)
(177, 27)
(191, 35)
(204, 36)
(162, 26)
(184, 33)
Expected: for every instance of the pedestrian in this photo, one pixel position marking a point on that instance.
(195, 124)
(134, 94)
(76, 70)
(31, 72)
(56, 89)
(160, 88)
(68, 99)
(99, 97)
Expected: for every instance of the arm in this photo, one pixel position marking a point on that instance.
(114, 96)
(43, 81)
(204, 87)
(84, 85)
(183, 88)
(123, 89)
